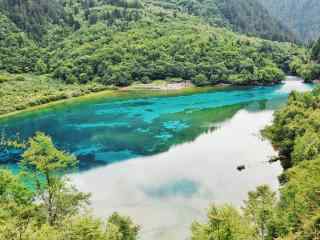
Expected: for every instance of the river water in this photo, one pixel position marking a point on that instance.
(163, 160)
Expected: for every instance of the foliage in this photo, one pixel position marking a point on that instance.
(295, 129)
(119, 42)
(44, 163)
(128, 230)
(41, 204)
(295, 133)
(182, 48)
(299, 205)
(249, 16)
(259, 209)
(224, 223)
(244, 16)
(17, 52)
(35, 17)
(315, 51)
(305, 66)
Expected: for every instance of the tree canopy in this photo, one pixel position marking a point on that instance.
(120, 42)
(39, 203)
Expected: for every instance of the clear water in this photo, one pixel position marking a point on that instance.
(163, 160)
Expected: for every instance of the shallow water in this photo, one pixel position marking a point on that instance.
(163, 160)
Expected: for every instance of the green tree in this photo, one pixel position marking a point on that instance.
(315, 51)
(200, 80)
(40, 204)
(128, 230)
(306, 147)
(311, 227)
(45, 162)
(16, 205)
(224, 223)
(259, 208)
(41, 67)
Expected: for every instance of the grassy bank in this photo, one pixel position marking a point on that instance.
(27, 93)
(21, 92)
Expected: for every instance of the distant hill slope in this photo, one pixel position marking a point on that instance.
(249, 16)
(119, 42)
(302, 16)
(34, 16)
(244, 16)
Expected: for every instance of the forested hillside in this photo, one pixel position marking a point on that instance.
(248, 16)
(117, 43)
(301, 16)
(17, 52)
(308, 67)
(244, 16)
(166, 47)
(36, 17)
(69, 34)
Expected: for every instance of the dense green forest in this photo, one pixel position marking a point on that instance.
(300, 16)
(308, 67)
(249, 17)
(81, 41)
(245, 16)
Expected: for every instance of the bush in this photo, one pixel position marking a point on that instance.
(200, 80)
(3, 78)
(270, 74)
(20, 78)
(145, 79)
(310, 72)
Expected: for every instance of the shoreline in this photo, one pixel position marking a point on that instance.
(54, 103)
(145, 90)
(125, 92)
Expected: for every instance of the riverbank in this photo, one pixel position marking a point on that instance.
(160, 86)
(24, 91)
(28, 93)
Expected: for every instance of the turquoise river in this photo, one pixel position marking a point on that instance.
(163, 159)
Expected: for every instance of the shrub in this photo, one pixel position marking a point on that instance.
(20, 78)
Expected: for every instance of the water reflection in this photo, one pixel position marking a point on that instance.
(172, 156)
(165, 192)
